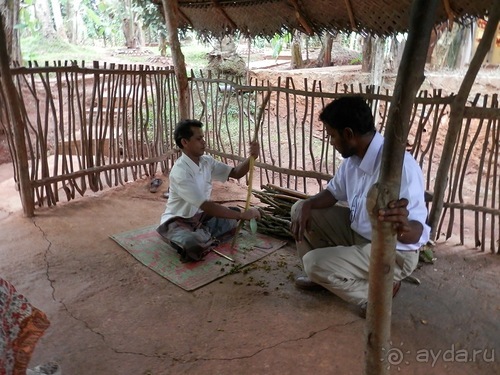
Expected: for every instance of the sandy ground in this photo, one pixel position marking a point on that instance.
(111, 315)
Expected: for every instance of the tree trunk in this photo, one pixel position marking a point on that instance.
(73, 19)
(138, 32)
(396, 52)
(454, 49)
(460, 48)
(162, 44)
(457, 115)
(296, 60)
(378, 60)
(441, 55)
(436, 33)
(381, 273)
(366, 65)
(44, 15)
(58, 20)
(128, 32)
(10, 10)
(170, 10)
(465, 51)
(325, 54)
(132, 26)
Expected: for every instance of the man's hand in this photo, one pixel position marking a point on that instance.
(301, 220)
(408, 231)
(396, 213)
(242, 168)
(251, 213)
(254, 149)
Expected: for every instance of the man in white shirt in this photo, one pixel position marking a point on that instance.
(332, 229)
(192, 223)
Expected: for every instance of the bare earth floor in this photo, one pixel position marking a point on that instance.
(111, 315)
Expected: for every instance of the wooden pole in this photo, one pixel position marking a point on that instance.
(457, 109)
(381, 273)
(170, 9)
(18, 127)
(252, 163)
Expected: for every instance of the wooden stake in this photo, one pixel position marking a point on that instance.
(18, 128)
(251, 167)
(383, 249)
(457, 111)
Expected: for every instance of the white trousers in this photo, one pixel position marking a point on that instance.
(336, 257)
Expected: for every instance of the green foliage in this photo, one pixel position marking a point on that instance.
(253, 226)
(151, 16)
(356, 61)
(279, 42)
(104, 19)
(195, 55)
(37, 48)
(28, 23)
(259, 42)
(426, 254)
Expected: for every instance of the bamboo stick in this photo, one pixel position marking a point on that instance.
(251, 167)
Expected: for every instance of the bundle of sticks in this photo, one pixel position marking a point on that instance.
(276, 219)
(278, 201)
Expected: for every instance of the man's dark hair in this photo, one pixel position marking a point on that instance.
(349, 112)
(183, 130)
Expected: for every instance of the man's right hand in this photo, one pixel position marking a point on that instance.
(251, 213)
(301, 220)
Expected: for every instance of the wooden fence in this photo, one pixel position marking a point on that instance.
(92, 128)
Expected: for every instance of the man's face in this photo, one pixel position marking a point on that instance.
(341, 142)
(195, 146)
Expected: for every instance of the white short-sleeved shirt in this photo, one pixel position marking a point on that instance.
(190, 185)
(356, 176)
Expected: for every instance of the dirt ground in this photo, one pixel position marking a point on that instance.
(111, 315)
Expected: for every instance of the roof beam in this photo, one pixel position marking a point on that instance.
(449, 12)
(183, 16)
(221, 10)
(171, 21)
(301, 18)
(351, 14)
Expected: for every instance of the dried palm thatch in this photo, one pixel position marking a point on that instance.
(269, 17)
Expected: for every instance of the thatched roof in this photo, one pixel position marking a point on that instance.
(269, 17)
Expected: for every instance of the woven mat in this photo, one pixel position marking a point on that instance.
(146, 245)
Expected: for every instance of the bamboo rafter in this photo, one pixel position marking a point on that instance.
(350, 12)
(449, 11)
(182, 15)
(301, 18)
(223, 13)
